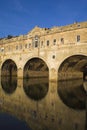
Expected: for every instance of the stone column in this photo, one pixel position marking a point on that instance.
(53, 75)
(20, 73)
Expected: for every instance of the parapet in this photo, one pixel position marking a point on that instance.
(45, 31)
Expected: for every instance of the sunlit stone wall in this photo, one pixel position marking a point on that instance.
(52, 45)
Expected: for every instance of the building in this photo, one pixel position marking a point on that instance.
(57, 53)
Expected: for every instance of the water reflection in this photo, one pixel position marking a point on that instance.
(9, 84)
(72, 93)
(36, 89)
(54, 112)
(8, 122)
(85, 88)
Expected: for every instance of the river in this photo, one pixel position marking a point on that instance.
(37, 104)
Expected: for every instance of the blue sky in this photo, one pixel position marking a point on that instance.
(20, 16)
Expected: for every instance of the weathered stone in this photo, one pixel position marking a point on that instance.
(54, 46)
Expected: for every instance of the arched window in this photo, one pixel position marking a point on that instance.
(62, 40)
(36, 41)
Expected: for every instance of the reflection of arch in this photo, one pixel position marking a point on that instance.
(9, 84)
(36, 67)
(72, 93)
(36, 88)
(73, 66)
(9, 68)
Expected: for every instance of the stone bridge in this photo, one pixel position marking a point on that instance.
(56, 53)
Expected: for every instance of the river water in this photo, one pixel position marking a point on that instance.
(37, 104)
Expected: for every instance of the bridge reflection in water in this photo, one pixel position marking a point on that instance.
(44, 105)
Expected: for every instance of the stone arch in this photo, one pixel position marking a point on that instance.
(73, 67)
(35, 67)
(9, 68)
(53, 74)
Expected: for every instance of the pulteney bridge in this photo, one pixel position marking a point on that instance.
(57, 53)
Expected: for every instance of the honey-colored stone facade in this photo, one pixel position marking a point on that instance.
(57, 46)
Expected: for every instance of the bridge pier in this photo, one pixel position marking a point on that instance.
(20, 73)
(53, 74)
(0, 72)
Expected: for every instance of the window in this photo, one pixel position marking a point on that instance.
(25, 45)
(36, 37)
(62, 40)
(16, 47)
(78, 25)
(53, 56)
(36, 43)
(54, 42)
(78, 38)
(48, 43)
(2, 49)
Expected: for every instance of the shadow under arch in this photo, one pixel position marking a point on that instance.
(72, 93)
(9, 68)
(35, 67)
(9, 84)
(73, 67)
(36, 88)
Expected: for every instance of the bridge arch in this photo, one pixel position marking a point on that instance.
(9, 68)
(35, 67)
(73, 67)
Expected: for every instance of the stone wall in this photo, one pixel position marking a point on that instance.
(51, 45)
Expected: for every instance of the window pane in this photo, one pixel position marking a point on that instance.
(47, 42)
(78, 38)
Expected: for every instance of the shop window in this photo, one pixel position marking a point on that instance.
(62, 40)
(36, 43)
(54, 42)
(48, 42)
(53, 56)
(78, 38)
